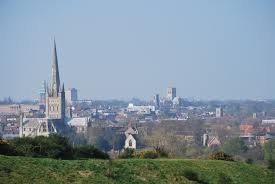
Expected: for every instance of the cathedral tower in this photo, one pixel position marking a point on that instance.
(55, 100)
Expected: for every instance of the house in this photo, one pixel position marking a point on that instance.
(130, 141)
(211, 141)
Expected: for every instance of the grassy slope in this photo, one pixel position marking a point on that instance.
(35, 170)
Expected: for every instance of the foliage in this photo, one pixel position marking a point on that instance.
(54, 146)
(221, 156)
(235, 146)
(103, 144)
(161, 152)
(89, 152)
(148, 154)
(269, 150)
(128, 153)
(249, 161)
(271, 165)
(5, 148)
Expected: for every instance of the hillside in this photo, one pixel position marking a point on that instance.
(37, 170)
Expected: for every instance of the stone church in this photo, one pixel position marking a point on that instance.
(54, 121)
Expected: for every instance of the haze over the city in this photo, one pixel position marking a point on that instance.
(124, 49)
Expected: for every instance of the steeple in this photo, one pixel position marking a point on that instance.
(55, 84)
(63, 88)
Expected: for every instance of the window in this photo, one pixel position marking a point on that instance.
(130, 143)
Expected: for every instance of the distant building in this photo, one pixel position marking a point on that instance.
(54, 122)
(171, 93)
(130, 141)
(219, 112)
(71, 95)
(268, 122)
(42, 93)
(156, 101)
(18, 108)
(210, 141)
(80, 124)
(141, 109)
(254, 115)
(177, 101)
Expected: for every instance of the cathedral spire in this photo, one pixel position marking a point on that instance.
(55, 84)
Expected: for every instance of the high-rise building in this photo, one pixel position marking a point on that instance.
(171, 93)
(42, 93)
(219, 112)
(156, 101)
(71, 95)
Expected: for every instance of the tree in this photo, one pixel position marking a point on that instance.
(103, 144)
(269, 150)
(235, 146)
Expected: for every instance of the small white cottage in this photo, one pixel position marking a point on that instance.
(130, 141)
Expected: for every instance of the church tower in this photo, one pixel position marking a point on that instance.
(55, 100)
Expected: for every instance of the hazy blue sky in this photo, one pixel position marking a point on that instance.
(121, 49)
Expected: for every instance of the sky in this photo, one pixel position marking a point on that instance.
(207, 49)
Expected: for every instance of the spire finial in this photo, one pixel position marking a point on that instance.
(55, 73)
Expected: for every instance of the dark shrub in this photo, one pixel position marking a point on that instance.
(81, 152)
(128, 153)
(148, 154)
(271, 165)
(221, 156)
(249, 161)
(161, 152)
(5, 148)
(54, 146)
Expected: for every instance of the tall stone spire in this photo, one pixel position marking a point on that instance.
(55, 84)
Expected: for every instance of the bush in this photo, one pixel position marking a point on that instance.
(271, 165)
(148, 154)
(249, 161)
(161, 152)
(128, 153)
(54, 146)
(84, 152)
(221, 156)
(5, 148)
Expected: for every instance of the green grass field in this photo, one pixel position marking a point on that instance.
(36, 170)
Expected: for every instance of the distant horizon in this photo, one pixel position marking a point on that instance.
(120, 50)
(145, 100)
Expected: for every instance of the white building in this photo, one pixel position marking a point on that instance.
(130, 141)
(171, 93)
(141, 109)
(270, 121)
(71, 95)
(219, 112)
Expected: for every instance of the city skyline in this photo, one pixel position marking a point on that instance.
(138, 50)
